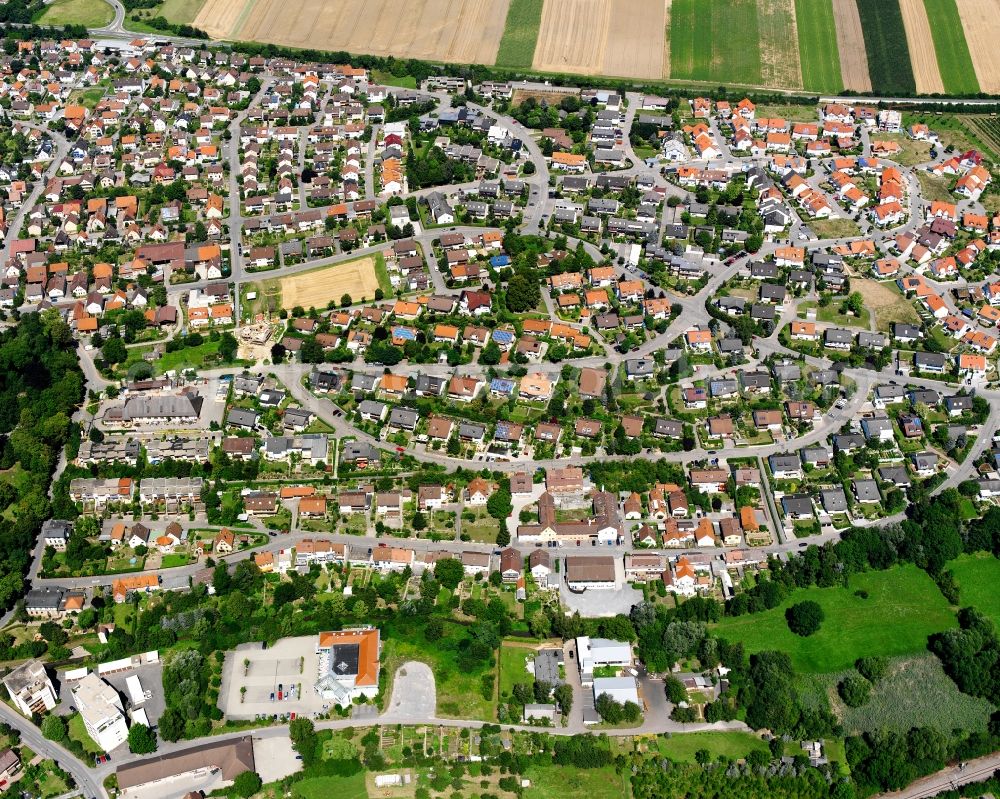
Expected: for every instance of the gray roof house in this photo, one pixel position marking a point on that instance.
(866, 491)
(242, 417)
(834, 500)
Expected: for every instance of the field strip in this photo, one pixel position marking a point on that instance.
(242, 19)
(779, 44)
(218, 18)
(851, 44)
(573, 36)
(666, 38)
(982, 32)
(635, 33)
(316, 288)
(954, 61)
(923, 56)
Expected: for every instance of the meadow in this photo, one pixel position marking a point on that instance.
(734, 745)
(92, 13)
(879, 613)
(977, 577)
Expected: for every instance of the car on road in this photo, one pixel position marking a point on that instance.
(841, 403)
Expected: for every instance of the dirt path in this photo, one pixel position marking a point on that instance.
(921, 44)
(851, 44)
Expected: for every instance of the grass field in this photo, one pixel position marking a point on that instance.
(731, 744)
(512, 668)
(903, 607)
(954, 61)
(352, 787)
(779, 48)
(92, 13)
(818, 45)
(933, 188)
(885, 43)
(189, 357)
(175, 559)
(887, 303)
(558, 782)
(701, 42)
(916, 692)
(834, 228)
(520, 34)
(977, 577)
(78, 732)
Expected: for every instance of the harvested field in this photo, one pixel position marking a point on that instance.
(818, 55)
(702, 45)
(885, 43)
(851, 44)
(317, 288)
(634, 47)
(572, 36)
(921, 44)
(219, 18)
(779, 49)
(623, 39)
(952, 50)
(462, 31)
(982, 32)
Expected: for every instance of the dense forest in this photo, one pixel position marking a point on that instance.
(40, 386)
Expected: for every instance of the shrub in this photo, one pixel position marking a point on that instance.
(804, 618)
(855, 690)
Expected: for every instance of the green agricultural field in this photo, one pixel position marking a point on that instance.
(818, 52)
(558, 782)
(730, 744)
(702, 46)
(915, 692)
(517, 47)
(954, 61)
(902, 609)
(977, 577)
(885, 43)
(92, 13)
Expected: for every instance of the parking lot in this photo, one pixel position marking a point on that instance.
(595, 602)
(288, 670)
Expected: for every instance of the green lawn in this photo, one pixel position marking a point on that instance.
(180, 11)
(885, 43)
(352, 787)
(903, 607)
(192, 357)
(92, 13)
(702, 45)
(818, 52)
(977, 577)
(79, 733)
(382, 275)
(175, 559)
(388, 79)
(558, 782)
(834, 228)
(731, 744)
(512, 668)
(954, 61)
(517, 47)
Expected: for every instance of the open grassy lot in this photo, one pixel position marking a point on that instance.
(834, 228)
(885, 43)
(831, 315)
(977, 577)
(352, 787)
(512, 667)
(520, 34)
(818, 52)
(701, 43)
(317, 287)
(886, 302)
(458, 692)
(933, 188)
(78, 732)
(954, 61)
(731, 744)
(92, 13)
(189, 357)
(915, 692)
(558, 782)
(911, 152)
(902, 608)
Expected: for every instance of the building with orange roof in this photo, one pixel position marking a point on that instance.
(139, 583)
(971, 364)
(348, 665)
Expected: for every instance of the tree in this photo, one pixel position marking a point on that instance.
(171, 725)
(419, 521)
(675, 690)
(609, 710)
(804, 618)
(54, 727)
(523, 292)
(247, 784)
(500, 504)
(227, 347)
(114, 350)
(346, 301)
(563, 694)
(873, 668)
(141, 740)
(490, 356)
(449, 572)
(854, 689)
(303, 735)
